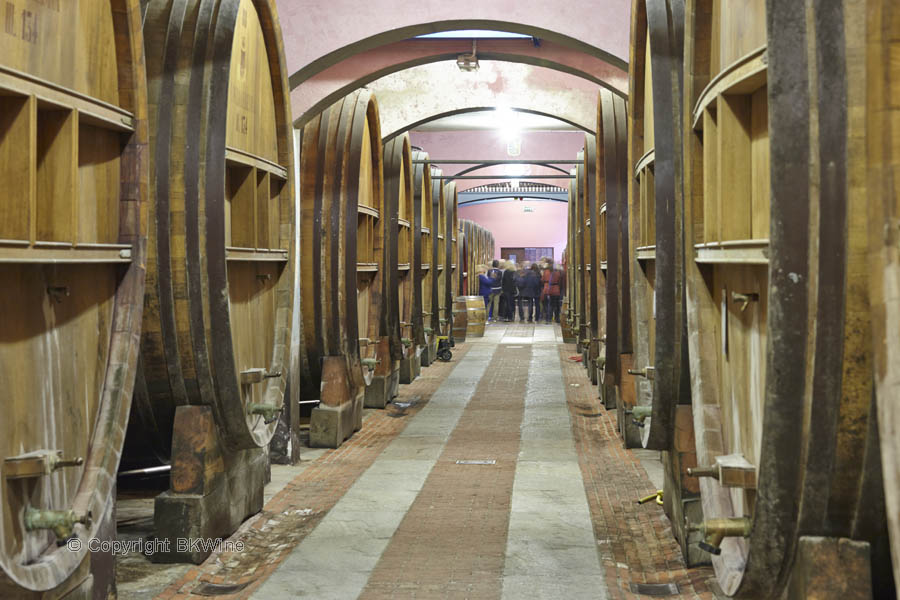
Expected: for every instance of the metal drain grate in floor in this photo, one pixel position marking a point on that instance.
(477, 462)
(218, 589)
(655, 589)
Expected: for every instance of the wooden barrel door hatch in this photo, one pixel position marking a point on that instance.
(423, 332)
(73, 218)
(342, 249)
(782, 365)
(219, 298)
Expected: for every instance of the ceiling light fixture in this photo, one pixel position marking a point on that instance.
(468, 62)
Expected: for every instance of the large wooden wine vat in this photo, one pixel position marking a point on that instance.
(588, 189)
(219, 295)
(612, 219)
(342, 255)
(451, 252)
(779, 327)
(423, 287)
(589, 345)
(396, 306)
(573, 265)
(73, 248)
(576, 190)
(662, 390)
(478, 249)
(440, 298)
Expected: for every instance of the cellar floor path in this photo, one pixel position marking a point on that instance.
(496, 475)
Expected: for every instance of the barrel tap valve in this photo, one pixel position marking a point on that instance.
(715, 530)
(744, 299)
(60, 522)
(712, 471)
(647, 372)
(640, 413)
(269, 412)
(370, 362)
(257, 375)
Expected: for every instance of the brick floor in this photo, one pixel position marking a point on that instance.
(635, 541)
(296, 510)
(452, 542)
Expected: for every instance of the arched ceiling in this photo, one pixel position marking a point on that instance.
(326, 87)
(319, 34)
(419, 94)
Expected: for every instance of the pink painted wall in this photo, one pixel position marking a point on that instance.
(512, 227)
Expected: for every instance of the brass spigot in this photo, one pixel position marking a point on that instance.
(647, 372)
(715, 530)
(61, 522)
(658, 496)
(406, 342)
(744, 299)
(712, 471)
(370, 362)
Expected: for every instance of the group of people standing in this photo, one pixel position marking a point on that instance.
(534, 290)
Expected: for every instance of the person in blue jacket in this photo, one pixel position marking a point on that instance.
(485, 287)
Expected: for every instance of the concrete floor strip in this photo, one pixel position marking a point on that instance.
(551, 551)
(336, 559)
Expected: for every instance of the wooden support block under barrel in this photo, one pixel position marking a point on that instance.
(212, 491)
(385, 383)
(340, 412)
(818, 563)
(411, 366)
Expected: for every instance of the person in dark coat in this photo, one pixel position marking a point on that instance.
(509, 292)
(495, 274)
(520, 287)
(531, 293)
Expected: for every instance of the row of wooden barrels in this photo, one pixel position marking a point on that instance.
(734, 259)
(387, 256)
(150, 228)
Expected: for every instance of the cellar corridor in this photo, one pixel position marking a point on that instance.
(496, 475)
